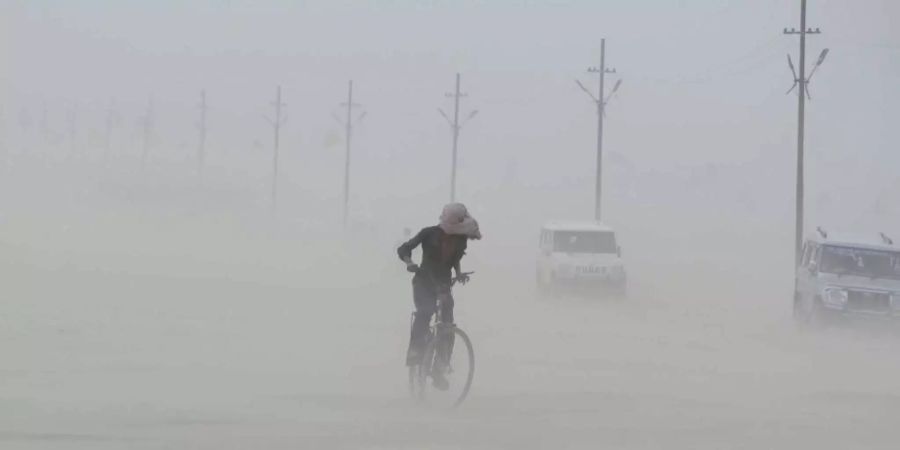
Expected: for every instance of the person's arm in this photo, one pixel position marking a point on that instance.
(456, 263)
(404, 252)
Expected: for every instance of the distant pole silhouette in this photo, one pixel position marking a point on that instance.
(276, 123)
(456, 96)
(455, 127)
(348, 132)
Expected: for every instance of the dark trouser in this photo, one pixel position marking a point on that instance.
(425, 297)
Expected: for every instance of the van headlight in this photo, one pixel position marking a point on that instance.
(835, 297)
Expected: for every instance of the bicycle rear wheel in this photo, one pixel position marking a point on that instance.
(449, 354)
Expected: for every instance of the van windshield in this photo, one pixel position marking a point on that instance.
(861, 262)
(584, 242)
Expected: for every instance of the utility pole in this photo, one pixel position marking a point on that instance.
(600, 100)
(455, 127)
(148, 134)
(801, 81)
(456, 96)
(348, 133)
(276, 125)
(201, 126)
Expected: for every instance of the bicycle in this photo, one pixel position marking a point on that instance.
(458, 367)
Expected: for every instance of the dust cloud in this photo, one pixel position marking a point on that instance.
(154, 301)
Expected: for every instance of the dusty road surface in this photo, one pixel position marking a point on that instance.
(106, 349)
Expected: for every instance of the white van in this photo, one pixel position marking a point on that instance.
(582, 254)
(843, 276)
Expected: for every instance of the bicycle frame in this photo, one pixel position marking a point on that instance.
(441, 339)
(437, 326)
(443, 292)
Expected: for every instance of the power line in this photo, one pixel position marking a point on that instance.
(753, 60)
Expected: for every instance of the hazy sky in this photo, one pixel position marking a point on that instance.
(704, 84)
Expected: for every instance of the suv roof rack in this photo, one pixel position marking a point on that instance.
(825, 234)
(887, 240)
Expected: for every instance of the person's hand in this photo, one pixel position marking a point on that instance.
(412, 268)
(462, 278)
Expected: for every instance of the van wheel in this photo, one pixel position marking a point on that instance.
(547, 287)
(621, 289)
(540, 285)
(797, 312)
(812, 314)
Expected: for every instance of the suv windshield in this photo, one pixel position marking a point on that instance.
(859, 261)
(584, 242)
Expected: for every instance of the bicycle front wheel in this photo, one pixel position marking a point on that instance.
(444, 378)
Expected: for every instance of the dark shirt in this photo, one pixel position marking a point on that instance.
(440, 253)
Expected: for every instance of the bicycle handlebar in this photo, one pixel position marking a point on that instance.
(453, 280)
(456, 279)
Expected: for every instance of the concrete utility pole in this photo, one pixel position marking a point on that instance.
(348, 132)
(201, 127)
(600, 100)
(276, 125)
(801, 81)
(455, 126)
(148, 134)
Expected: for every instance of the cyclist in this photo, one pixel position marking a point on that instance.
(443, 246)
